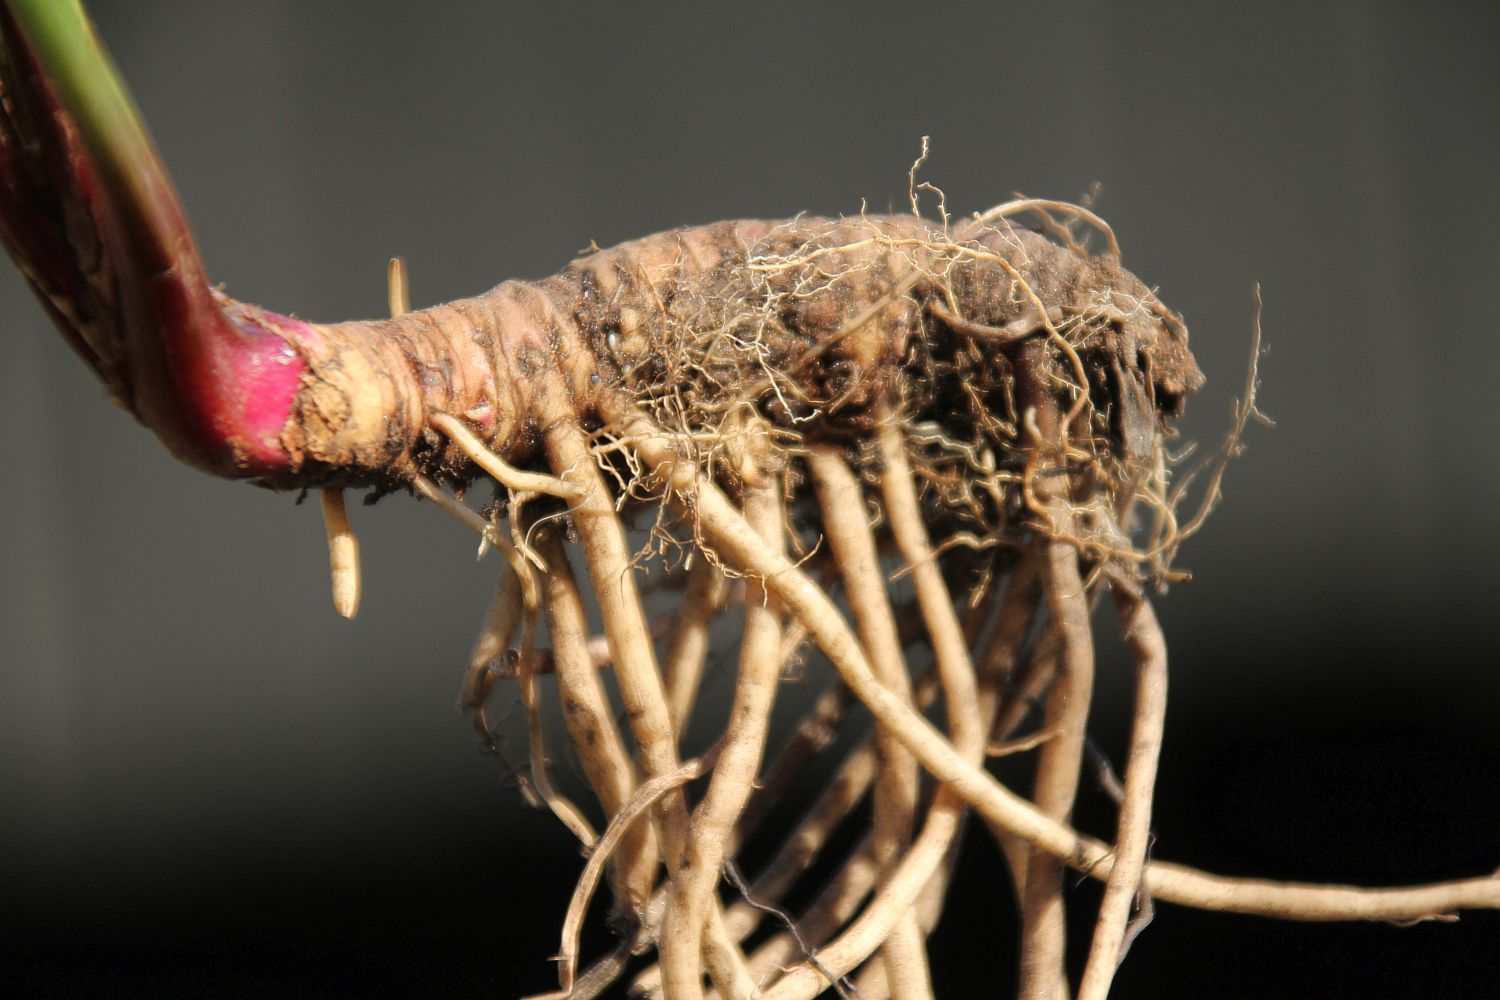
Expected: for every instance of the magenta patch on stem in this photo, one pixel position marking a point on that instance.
(266, 368)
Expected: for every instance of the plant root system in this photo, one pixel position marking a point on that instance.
(798, 420)
(782, 426)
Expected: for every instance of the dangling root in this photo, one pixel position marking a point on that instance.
(682, 667)
(987, 696)
(1132, 839)
(639, 804)
(1043, 919)
(343, 545)
(606, 765)
(853, 545)
(1044, 928)
(750, 716)
(499, 626)
(343, 553)
(640, 685)
(803, 845)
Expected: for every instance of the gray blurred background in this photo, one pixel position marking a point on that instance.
(213, 785)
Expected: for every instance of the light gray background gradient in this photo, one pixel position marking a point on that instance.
(190, 738)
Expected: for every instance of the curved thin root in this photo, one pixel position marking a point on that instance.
(646, 796)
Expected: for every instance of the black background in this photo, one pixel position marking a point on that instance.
(212, 785)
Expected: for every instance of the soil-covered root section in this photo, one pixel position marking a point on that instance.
(748, 340)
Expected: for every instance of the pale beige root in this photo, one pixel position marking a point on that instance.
(870, 983)
(397, 289)
(707, 590)
(852, 541)
(806, 842)
(494, 637)
(799, 849)
(488, 534)
(1028, 685)
(1048, 492)
(604, 971)
(1044, 924)
(934, 895)
(1142, 633)
(1005, 690)
(693, 885)
(1043, 208)
(802, 847)
(939, 614)
(812, 736)
(645, 797)
(603, 541)
(736, 544)
(898, 893)
(945, 632)
(929, 905)
(562, 807)
(891, 911)
(818, 727)
(834, 906)
(343, 545)
(1011, 627)
(1034, 679)
(480, 675)
(507, 475)
(598, 648)
(343, 552)
(531, 699)
(969, 713)
(894, 907)
(587, 713)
